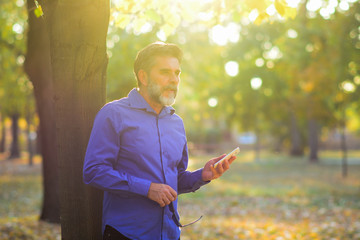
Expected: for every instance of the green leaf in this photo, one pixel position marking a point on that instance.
(38, 11)
(280, 7)
(262, 16)
(290, 12)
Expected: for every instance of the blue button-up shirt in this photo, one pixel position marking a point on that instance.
(131, 146)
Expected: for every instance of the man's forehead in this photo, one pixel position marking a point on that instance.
(166, 62)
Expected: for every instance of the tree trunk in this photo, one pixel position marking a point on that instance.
(77, 31)
(313, 141)
(296, 143)
(14, 149)
(28, 136)
(38, 68)
(38, 141)
(344, 164)
(3, 133)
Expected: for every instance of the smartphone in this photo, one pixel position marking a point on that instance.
(233, 153)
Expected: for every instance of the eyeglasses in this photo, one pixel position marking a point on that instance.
(176, 218)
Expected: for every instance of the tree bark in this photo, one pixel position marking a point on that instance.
(77, 31)
(29, 117)
(14, 149)
(38, 68)
(344, 164)
(3, 132)
(296, 143)
(313, 141)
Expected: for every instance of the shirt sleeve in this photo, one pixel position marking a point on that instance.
(188, 181)
(101, 156)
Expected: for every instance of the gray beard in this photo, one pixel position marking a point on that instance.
(155, 93)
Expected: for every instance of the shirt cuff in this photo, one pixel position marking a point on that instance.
(199, 183)
(140, 186)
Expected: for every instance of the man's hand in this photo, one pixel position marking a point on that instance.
(162, 194)
(210, 173)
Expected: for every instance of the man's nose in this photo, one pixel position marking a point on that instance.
(174, 78)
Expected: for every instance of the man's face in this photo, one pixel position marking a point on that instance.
(163, 80)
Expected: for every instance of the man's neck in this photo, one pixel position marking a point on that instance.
(157, 107)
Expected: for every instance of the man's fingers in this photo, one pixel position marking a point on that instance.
(169, 194)
(220, 168)
(232, 159)
(166, 201)
(173, 194)
(213, 170)
(226, 165)
(162, 194)
(218, 158)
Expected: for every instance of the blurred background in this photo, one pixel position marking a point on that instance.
(280, 79)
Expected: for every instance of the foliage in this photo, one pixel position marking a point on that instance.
(167, 15)
(297, 60)
(302, 65)
(38, 9)
(15, 88)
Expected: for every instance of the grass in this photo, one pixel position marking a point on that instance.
(278, 198)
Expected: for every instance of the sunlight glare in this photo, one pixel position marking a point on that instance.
(213, 102)
(271, 10)
(221, 35)
(232, 68)
(259, 62)
(348, 86)
(17, 28)
(110, 44)
(325, 13)
(253, 15)
(293, 3)
(333, 3)
(313, 5)
(273, 53)
(161, 35)
(20, 59)
(344, 6)
(20, 3)
(147, 27)
(205, 16)
(292, 33)
(256, 83)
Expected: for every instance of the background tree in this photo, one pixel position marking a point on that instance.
(11, 58)
(38, 68)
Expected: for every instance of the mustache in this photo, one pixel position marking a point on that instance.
(172, 88)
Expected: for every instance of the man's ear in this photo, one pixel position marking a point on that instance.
(143, 77)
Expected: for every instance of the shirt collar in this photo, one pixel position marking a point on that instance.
(138, 101)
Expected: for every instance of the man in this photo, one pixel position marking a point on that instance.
(137, 153)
